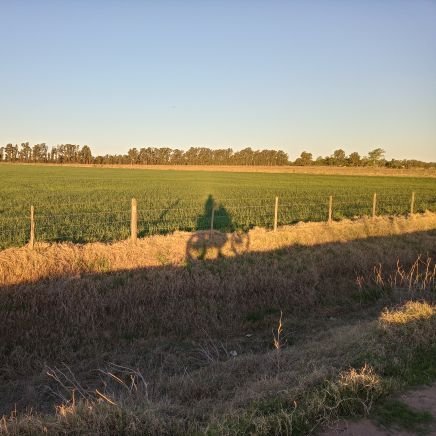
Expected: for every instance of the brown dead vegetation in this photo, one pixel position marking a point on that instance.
(136, 338)
(322, 170)
(21, 265)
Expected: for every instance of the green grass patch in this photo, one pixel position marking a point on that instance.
(93, 204)
(394, 414)
(419, 369)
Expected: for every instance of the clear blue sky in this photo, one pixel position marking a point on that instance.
(301, 75)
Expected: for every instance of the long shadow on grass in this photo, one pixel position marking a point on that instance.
(203, 241)
(110, 316)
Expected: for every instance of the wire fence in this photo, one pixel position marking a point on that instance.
(82, 222)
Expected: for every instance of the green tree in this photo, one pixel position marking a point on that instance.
(39, 152)
(25, 154)
(376, 156)
(281, 158)
(85, 155)
(354, 159)
(133, 155)
(177, 157)
(339, 157)
(305, 158)
(11, 152)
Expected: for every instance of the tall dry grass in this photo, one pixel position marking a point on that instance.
(199, 333)
(62, 298)
(21, 265)
(323, 170)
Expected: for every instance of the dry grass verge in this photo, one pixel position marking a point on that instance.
(313, 388)
(21, 265)
(121, 339)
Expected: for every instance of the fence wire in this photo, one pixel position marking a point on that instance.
(83, 222)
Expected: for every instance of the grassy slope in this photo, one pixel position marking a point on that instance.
(200, 332)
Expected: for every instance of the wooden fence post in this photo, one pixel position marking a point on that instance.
(32, 227)
(276, 212)
(330, 208)
(412, 204)
(134, 221)
(212, 217)
(374, 205)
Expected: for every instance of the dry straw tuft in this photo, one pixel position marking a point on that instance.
(411, 312)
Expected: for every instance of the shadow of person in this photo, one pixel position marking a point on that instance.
(212, 229)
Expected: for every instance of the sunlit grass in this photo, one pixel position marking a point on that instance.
(411, 312)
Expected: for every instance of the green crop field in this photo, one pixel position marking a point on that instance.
(93, 204)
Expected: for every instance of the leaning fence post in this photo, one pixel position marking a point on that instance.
(330, 208)
(412, 204)
(32, 227)
(134, 221)
(276, 211)
(374, 204)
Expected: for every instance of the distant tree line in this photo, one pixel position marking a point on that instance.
(375, 157)
(72, 153)
(39, 153)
